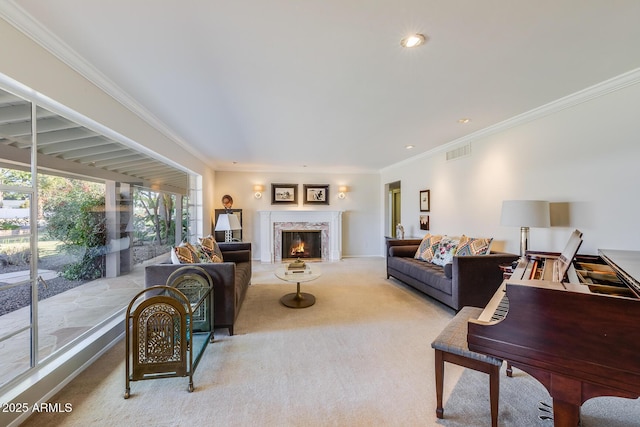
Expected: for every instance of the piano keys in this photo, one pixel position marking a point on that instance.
(578, 337)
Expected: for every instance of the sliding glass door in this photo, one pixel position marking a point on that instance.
(79, 210)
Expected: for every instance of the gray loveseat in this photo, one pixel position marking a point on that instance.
(231, 279)
(468, 281)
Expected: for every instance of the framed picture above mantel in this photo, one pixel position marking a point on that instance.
(316, 194)
(282, 194)
(425, 202)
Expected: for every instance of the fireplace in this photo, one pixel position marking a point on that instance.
(327, 224)
(301, 244)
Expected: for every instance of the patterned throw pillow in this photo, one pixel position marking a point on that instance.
(427, 247)
(473, 246)
(211, 248)
(446, 250)
(204, 257)
(423, 246)
(185, 255)
(215, 258)
(192, 248)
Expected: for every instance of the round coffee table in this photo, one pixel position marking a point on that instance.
(298, 299)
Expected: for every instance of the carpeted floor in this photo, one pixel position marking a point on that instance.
(360, 356)
(520, 398)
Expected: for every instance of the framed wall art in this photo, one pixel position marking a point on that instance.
(425, 203)
(316, 194)
(424, 222)
(284, 194)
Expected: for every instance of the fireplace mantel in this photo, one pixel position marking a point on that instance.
(272, 222)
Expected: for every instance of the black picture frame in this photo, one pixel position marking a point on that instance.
(284, 194)
(316, 194)
(425, 200)
(424, 222)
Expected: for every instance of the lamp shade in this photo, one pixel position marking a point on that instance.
(227, 222)
(525, 213)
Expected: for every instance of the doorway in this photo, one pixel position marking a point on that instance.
(393, 211)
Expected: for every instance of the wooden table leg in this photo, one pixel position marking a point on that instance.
(565, 414)
(439, 383)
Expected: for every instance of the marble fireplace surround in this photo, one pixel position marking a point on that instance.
(272, 223)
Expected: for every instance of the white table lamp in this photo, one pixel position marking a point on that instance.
(228, 223)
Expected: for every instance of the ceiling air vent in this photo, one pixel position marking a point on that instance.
(456, 153)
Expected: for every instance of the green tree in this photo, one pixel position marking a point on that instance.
(75, 215)
(159, 208)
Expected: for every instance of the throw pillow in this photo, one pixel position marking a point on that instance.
(211, 248)
(446, 250)
(192, 248)
(199, 255)
(185, 255)
(204, 257)
(427, 247)
(473, 246)
(426, 241)
(174, 256)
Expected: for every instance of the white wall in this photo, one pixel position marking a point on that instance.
(360, 220)
(584, 159)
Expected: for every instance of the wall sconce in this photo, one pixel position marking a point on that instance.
(258, 189)
(342, 190)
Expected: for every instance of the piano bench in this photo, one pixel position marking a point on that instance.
(451, 346)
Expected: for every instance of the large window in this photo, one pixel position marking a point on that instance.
(79, 210)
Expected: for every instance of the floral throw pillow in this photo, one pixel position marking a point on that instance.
(204, 255)
(446, 250)
(427, 247)
(473, 246)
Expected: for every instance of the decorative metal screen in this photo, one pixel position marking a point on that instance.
(167, 332)
(195, 283)
(159, 334)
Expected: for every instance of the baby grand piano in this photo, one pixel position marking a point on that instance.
(579, 338)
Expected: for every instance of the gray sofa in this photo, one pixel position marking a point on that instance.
(467, 281)
(231, 279)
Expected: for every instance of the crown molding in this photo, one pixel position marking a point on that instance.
(622, 81)
(22, 21)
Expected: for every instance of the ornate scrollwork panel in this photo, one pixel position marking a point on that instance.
(159, 334)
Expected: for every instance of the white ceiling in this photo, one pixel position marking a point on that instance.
(324, 84)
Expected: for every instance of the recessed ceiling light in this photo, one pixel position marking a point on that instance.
(464, 120)
(409, 147)
(414, 40)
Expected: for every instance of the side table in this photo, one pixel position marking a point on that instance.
(298, 299)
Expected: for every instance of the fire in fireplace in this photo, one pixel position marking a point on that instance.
(301, 244)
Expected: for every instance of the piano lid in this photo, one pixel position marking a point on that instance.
(626, 264)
